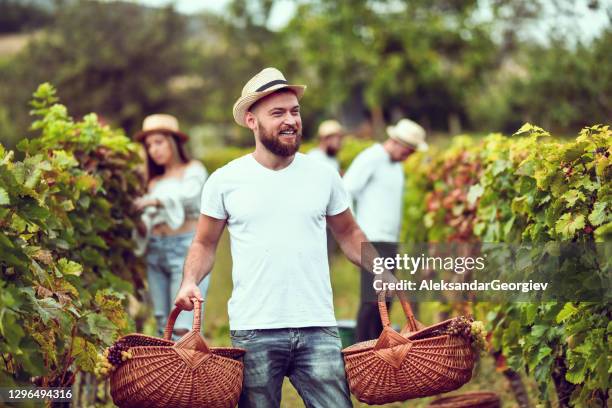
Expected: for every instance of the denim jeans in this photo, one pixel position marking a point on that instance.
(165, 260)
(309, 356)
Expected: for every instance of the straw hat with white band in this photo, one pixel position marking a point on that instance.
(268, 81)
(329, 127)
(160, 122)
(409, 133)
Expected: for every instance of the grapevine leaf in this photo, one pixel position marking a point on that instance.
(84, 354)
(568, 224)
(68, 267)
(474, 193)
(572, 196)
(4, 197)
(568, 311)
(598, 215)
(48, 309)
(100, 327)
(576, 374)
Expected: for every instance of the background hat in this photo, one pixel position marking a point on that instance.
(160, 122)
(408, 132)
(263, 84)
(329, 127)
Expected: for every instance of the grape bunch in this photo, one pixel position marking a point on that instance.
(469, 329)
(460, 326)
(103, 367)
(479, 335)
(111, 358)
(117, 353)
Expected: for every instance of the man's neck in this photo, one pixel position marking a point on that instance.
(387, 145)
(270, 160)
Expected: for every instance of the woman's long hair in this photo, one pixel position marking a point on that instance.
(178, 150)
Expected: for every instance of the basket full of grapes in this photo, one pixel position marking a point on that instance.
(147, 371)
(414, 363)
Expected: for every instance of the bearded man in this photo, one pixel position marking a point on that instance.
(330, 136)
(276, 203)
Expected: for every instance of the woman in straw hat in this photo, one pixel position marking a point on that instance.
(170, 210)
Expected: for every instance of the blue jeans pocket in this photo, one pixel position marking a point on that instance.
(242, 335)
(332, 331)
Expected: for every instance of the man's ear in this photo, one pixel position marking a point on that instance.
(251, 120)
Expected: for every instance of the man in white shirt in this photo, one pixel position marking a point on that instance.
(276, 203)
(330, 136)
(375, 181)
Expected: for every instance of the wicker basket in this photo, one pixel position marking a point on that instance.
(162, 373)
(411, 364)
(469, 400)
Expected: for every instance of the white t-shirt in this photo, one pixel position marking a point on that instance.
(376, 184)
(320, 155)
(276, 221)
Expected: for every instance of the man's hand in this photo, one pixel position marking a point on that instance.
(186, 292)
(385, 279)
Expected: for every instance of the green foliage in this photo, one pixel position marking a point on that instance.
(66, 258)
(438, 62)
(574, 75)
(530, 188)
(351, 147)
(421, 58)
(115, 59)
(216, 158)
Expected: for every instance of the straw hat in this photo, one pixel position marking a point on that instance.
(263, 84)
(329, 127)
(160, 122)
(409, 133)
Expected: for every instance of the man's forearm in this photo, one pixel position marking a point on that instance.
(199, 262)
(358, 249)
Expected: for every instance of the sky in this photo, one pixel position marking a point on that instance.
(281, 14)
(586, 25)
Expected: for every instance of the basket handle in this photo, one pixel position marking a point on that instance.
(197, 318)
(411, 324)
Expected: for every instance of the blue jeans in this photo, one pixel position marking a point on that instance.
(309, 356)
(165, 260)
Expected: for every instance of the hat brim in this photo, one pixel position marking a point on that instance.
(243, 103)
(420, 146)
(139, 137)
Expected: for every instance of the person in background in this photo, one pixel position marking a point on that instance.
(170, 210)
(375, 181)
(330, 136)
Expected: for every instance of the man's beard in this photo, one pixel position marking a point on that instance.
(331, 151)
(273, 143)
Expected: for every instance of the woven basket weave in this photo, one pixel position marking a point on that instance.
(411, 364)
(480, 399)
(162, 373)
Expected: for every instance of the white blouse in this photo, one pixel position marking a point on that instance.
(180, 201)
